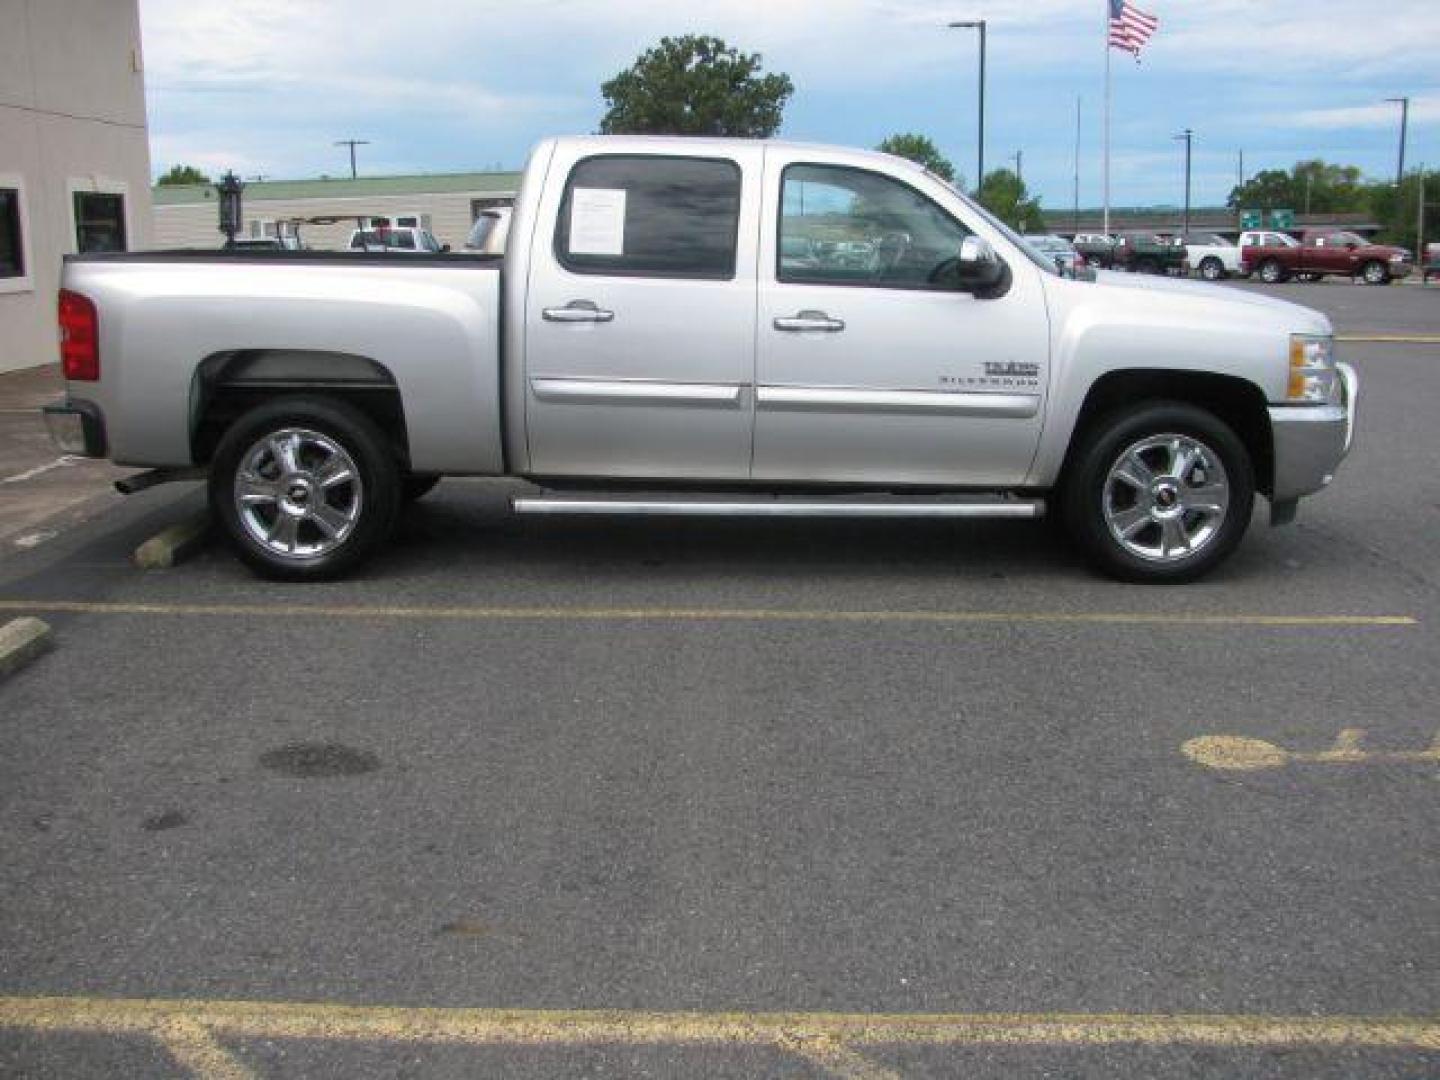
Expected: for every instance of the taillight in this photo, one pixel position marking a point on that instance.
(79, 337)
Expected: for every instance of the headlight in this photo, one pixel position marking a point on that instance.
(1313, 379)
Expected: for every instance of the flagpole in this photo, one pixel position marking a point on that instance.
(1105, 228)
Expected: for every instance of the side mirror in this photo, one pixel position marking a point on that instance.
(979, 270)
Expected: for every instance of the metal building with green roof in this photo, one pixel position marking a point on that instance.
(186, 215)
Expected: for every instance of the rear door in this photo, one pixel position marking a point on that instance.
(640, 313)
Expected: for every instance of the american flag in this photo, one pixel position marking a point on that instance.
(1130, 28)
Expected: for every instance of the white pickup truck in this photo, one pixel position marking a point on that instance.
(682, 326)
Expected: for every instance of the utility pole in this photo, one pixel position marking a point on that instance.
(978, 24)
(352, 143)
(1404, 123)
(1187, 136)
(1420, 224)
(1075, 221)
(1019, 157)
(1240, 170)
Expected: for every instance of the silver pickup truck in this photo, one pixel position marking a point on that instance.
(706, 327)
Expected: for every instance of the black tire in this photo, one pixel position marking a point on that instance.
(1087, 491)
(1375, 272)
(1271, 272)
(370, 505)
(415, 486)
(1211, 268)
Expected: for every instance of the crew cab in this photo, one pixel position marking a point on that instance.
(1275, 257)
(657, 340)
(1146, 253)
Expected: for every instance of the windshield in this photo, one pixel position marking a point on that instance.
(1042, 261)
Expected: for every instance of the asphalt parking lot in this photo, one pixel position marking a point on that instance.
(617, 798)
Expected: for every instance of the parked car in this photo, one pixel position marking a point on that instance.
(1212, 257)
(1275, 257)
(405, 240)
(490, 231)
(1147, 253)
(1098, 249)
(1067, 259)
(647, 351)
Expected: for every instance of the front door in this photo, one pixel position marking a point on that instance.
(872, 366)
(640, 316)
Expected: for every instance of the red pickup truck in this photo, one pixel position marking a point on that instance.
(1275, 257)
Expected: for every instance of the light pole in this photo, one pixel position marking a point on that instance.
(1404, 123)
(352, 143)
(1019, 157)
(1187, 136)
(978, 24)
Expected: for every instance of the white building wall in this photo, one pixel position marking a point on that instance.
(197, 224)
(72, 118)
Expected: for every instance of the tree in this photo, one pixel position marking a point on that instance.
(183, 174)
(1396, 209)
(1003, 193)
(919, 148)
(1313, 186)
(695, 85)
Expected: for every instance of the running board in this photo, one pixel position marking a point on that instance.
(996, 508)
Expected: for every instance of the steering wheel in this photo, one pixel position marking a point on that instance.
(890, 249)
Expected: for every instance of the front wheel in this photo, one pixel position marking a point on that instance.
(1271, 272)
(1162, 493)
(305, 488)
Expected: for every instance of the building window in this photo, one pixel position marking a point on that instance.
(99, 221)
(650, 217)
(12, 243)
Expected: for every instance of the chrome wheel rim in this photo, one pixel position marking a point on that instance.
(298, 493)
(1166, 497)
(1374, 273)
(1270, 273)
(1210, 271)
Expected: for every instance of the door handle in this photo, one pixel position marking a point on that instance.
(577, 311)
(810, 320)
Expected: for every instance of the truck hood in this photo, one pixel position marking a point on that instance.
(1302, 320)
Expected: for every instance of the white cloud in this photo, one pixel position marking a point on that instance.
(1381, 114)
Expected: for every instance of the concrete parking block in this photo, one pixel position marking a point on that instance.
(174, 544)
(22, 640)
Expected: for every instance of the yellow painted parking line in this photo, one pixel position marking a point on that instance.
(700, 614)
(1391, 339)
(833, 1041)
(1239, 753)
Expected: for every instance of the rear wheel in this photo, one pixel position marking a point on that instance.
(1147, 266)
(1162, 493)
(305, 488)
(1271, 272)
(1375, 272)
(1211, 268)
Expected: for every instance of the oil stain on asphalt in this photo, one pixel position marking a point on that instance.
(315, 760)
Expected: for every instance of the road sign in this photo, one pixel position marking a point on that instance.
(1249, 219)
(1282, 219)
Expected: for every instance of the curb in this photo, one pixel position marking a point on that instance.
(22, 640)
(174, 544)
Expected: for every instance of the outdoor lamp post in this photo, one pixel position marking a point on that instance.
(978, 24)
(229, 189)
(1187, 136)
(1404, 103)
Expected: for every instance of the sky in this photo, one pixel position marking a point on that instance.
(266, 87)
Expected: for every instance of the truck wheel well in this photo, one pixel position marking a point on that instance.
(229, 384)
(1238, 402)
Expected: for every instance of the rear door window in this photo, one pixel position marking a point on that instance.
(650, 216)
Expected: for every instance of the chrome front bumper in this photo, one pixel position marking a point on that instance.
(1310, 441)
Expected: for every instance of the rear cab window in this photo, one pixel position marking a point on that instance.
(632, 215)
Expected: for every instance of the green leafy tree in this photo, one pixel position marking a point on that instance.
(1322, 187)
(183, 174)
(1396, 208)
(919, 148)
(1003, 193)
(695, 85)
